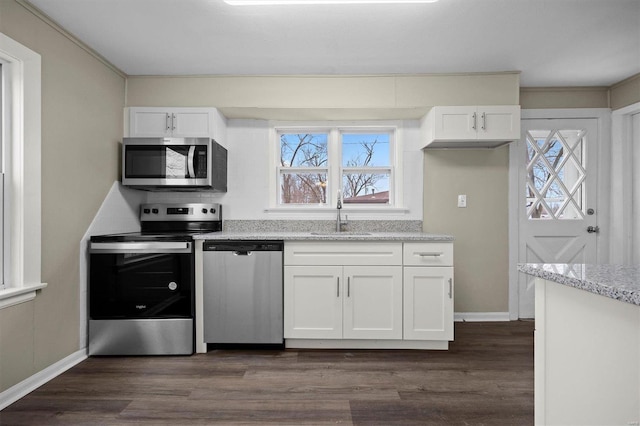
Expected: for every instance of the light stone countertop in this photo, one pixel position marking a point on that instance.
(325, 236)
(619, 282)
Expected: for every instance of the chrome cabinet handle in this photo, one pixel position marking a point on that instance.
(450, 287)
(348, 286)
(428, 254)
(484, 121)
(338, 287)
(174, 120)
(474, 116)
(168, 120)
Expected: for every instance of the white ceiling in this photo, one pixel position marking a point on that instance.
(552, 42)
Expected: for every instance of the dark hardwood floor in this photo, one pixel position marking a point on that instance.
(486, 378)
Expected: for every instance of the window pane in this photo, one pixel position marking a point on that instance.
(303, 150)
(365, 149)
(555, 174)
(303, 188)
(365, 188)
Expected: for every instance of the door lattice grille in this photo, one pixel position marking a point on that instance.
(556, 174)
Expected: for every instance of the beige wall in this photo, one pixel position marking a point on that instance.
(622, 94)
(330, 97)
(626, 92)
(564, 97)
(481, 229)
(82, 101)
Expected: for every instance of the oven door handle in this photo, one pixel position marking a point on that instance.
(141, 247)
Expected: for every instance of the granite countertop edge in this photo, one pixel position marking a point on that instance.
(618, 282)
(325, 236)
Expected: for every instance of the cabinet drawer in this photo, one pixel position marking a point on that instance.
(339, 253)
(428, 254)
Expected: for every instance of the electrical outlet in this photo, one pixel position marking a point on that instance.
(462, 200)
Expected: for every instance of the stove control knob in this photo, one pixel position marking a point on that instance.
(173, 286)
(155, 211)
(204, 210)
(213, 211)
(146, 211)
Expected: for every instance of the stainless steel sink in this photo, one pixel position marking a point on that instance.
(346, 233)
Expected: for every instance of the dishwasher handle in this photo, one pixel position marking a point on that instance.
(241, 247)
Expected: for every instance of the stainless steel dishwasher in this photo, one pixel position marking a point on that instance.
(243, 292)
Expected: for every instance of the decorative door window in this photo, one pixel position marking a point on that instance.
(555, 188)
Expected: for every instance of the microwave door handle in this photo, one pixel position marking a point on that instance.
(191, 162)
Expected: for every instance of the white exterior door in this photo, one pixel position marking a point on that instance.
(635, 213)
(557, 197)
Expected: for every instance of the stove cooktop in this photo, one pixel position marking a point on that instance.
(171, 222)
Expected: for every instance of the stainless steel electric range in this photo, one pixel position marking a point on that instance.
(141, 284)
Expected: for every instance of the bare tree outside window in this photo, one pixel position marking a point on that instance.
(555, 174)
(366, 168)
(304, 169)
(303, 162)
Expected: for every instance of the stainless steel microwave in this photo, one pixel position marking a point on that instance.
(174, 164)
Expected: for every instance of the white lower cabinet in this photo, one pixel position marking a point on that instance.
(343, 302)
(364, 295)
(312, 302)
(428, 303)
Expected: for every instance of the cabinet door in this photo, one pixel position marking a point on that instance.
(498, 122)
(372, 302)
(428, 303)
(170, 122)
(455, 123)
(313, 302)
(149, 123)
(191, 124)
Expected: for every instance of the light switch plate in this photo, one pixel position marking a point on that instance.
(462, 200)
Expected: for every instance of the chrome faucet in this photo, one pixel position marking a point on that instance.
(339, 222)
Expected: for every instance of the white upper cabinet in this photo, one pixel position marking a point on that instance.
(171, 122)
(472, 126)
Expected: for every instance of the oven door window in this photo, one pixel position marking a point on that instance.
(141, 285)
(164, 161)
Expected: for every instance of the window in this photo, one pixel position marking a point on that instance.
(315, 165)
(21, 134)
(2, 171)
(556, 174)
(366, 167)
(303, 168)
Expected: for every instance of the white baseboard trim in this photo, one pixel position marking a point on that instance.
(26, 386)
(481, 316)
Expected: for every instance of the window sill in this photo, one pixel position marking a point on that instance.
(15, 296)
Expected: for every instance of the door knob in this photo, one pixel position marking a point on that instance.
(593, 229)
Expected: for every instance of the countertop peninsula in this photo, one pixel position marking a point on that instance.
(587, 344)
(618, 282)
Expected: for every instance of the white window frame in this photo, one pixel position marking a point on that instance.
(280, 169)
(3, 119)
(391, 169)
(22, 160)
(335, 169)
